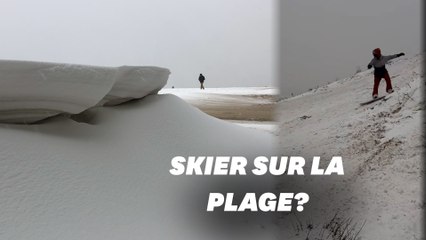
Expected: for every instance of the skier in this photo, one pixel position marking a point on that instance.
(201, 78)
(378, 62)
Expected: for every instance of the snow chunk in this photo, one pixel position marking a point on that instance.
(136, 82)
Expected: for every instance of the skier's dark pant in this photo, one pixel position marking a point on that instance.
(377, 79)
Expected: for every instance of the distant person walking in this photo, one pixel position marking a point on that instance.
(201, 78)
(378, 62)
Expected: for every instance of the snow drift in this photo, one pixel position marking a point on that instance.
(110, 179)
(31, 91)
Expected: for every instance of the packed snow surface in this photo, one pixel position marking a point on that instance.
(32, 91)
(380, 144)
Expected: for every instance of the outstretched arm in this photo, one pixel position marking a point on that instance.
(387, 58)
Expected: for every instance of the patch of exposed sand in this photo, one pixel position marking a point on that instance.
(238, 107)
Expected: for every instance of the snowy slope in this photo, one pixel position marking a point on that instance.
(31, 91)
(380, 144)
(109, 179)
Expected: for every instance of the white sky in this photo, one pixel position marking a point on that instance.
(323, 40)
(231, 42)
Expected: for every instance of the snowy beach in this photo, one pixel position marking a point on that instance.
(252, 107)
(212, 120)
(96, 170)
(245, 104)
(101, 172)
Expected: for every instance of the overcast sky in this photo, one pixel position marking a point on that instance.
(230, 41)
(233, 42)
(323, 40)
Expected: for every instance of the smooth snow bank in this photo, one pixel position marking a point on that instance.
(31, 91)
(110, 180)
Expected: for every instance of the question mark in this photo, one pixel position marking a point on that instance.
(302, 199)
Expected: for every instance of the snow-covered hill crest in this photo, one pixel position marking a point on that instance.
(380, 144)
(31, 91)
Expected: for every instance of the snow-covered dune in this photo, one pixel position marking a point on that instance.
(31, 91)
(104, 173)
(380, 144)
(110, 179)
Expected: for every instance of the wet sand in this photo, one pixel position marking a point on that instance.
(239, 107)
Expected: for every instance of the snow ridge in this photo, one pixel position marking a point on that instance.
(32, 91)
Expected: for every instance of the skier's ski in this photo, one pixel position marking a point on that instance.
(373, 100)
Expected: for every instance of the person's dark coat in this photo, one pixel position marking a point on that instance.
(201, 78)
